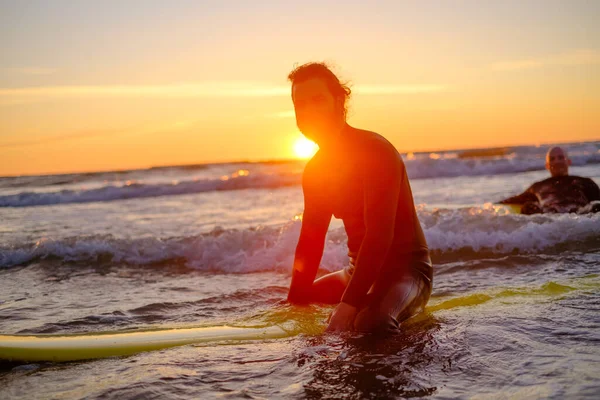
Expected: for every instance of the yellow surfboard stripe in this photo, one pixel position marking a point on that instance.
(82, 347)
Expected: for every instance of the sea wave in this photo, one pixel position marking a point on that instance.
(133, 190)
(259, 176)
(434, 165)
(452, 235)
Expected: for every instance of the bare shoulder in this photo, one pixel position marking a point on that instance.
(313, 170)
(314, 164)
(376, 149)
(588, 181)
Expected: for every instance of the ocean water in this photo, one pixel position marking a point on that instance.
(515, 309)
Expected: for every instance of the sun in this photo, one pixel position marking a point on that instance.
(304, 148)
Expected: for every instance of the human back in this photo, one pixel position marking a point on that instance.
(367, 158)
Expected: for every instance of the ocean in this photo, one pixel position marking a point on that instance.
(514, 313)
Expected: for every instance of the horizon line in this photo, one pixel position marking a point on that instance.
(283, 160)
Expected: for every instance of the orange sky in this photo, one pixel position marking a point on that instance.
(86, 86)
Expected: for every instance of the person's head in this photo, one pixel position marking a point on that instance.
(319, 101)
(557, 162)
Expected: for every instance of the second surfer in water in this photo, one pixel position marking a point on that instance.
(561, 193)
(359, 177)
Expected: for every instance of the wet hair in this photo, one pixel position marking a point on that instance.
(320, 70)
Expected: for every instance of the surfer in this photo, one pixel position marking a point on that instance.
(561, 193)
(358, 177)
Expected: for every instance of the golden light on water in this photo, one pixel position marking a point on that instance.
(304, 148)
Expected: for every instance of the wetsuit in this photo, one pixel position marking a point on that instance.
(560, 194)
(364, 164)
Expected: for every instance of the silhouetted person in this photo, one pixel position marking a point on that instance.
(359, 177)
(561, 193)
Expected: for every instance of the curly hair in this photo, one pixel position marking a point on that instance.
(322, 71)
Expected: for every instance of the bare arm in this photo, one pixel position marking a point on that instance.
(315, 222)
(383, 179)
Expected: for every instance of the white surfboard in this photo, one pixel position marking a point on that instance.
(99, 345)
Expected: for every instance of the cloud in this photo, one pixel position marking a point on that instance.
(398, 89)
(186, 90)
(168, 126)
(30, 70)
(56, 138)
(573, 57)
(282, 114)
(376, 90)
(211, 89)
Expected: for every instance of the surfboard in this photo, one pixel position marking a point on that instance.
(59, 348)
(513, 208)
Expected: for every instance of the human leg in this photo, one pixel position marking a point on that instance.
(330, 288)
(391, 303)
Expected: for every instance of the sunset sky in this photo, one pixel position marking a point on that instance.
(102, 85)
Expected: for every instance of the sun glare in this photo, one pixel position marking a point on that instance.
(304, 148)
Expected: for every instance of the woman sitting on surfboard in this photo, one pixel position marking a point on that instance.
(359, 177)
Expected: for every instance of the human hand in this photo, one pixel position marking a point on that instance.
(342, 318)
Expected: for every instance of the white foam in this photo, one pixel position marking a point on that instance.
(492, 229)
(479, 229)
(139, 190)
(425, 167)
(178, 181)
